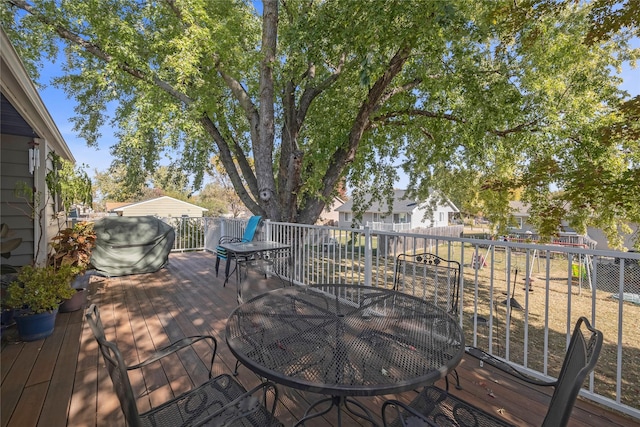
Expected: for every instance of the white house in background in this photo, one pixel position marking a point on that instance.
(162, 207)
(406, 214)
(28, 135)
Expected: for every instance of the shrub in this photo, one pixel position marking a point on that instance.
(41, 289)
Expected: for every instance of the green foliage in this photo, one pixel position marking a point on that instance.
(122, 184)
(219, 200)
(68, 183)
(41, 289)
(609, 17)
(478, 100)
(116, 184)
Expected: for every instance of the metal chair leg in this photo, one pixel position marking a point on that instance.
(456, 376)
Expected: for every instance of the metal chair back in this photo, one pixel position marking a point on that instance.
(434, 406)
(116, 367)
(250, 229)
(581, 358)
(248, 235)
(219, 401)
(430, 277)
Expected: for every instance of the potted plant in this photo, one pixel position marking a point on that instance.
(38, 290)
(72, 247)
(35, 296)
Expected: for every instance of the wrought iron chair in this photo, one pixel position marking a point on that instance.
(247, 236)
(220, 401)
(432, 278)
(437, 407)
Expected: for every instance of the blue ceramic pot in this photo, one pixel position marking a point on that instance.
(32, 327)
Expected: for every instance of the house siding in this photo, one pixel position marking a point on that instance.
(415, 213)
(16, 212)
(163, 208)
(25, 118)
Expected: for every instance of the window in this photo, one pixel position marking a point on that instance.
(441, 217)
(346, 216)
(400, 218)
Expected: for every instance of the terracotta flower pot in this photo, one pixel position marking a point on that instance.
(74, 303)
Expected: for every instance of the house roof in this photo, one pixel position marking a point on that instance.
(155, 199)
(400, 204)
(110, 206)
(22, 112)
(519, 208)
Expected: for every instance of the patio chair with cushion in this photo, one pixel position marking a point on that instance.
(435, 406)
(433, 279)
(247, 236)
(220, 401)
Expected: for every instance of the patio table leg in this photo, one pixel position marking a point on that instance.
(340, 402)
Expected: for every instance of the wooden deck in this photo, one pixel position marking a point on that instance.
(61, 380)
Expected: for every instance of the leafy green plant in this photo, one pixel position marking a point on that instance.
(41, 289)
(68, 183)
(73, 246)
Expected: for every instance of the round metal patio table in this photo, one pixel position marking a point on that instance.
(344, 341)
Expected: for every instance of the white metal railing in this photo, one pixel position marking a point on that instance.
(190, 232)
(519, 301)
(389, 226)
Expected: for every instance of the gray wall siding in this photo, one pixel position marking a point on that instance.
(162, 208)
(15, 212)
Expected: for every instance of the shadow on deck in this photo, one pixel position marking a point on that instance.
(61, 381)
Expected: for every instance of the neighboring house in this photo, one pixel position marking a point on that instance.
(28, 135)
(595, 237)
(162, 207)
(406, 214)
(520, 216)
(330, 215)
(111, 206)
(520, 219)
(603, 243)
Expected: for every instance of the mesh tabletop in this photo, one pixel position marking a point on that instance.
(345, 340)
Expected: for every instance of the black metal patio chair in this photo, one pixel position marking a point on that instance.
(436, 407)
(220, 401)
(433, 279)
(247, 236)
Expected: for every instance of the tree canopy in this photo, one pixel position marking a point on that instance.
(474, 99)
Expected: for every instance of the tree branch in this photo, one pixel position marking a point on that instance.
(400, 89)
(311, 92)
(385, 118)
(98, 52)
(227, 160)
(346, 155)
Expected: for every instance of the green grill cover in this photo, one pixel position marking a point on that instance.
(131, 245)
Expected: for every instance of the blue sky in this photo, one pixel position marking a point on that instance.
(61, 109)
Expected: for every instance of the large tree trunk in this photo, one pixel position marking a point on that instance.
(263, 148)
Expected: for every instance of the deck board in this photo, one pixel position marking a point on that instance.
(62, 380)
